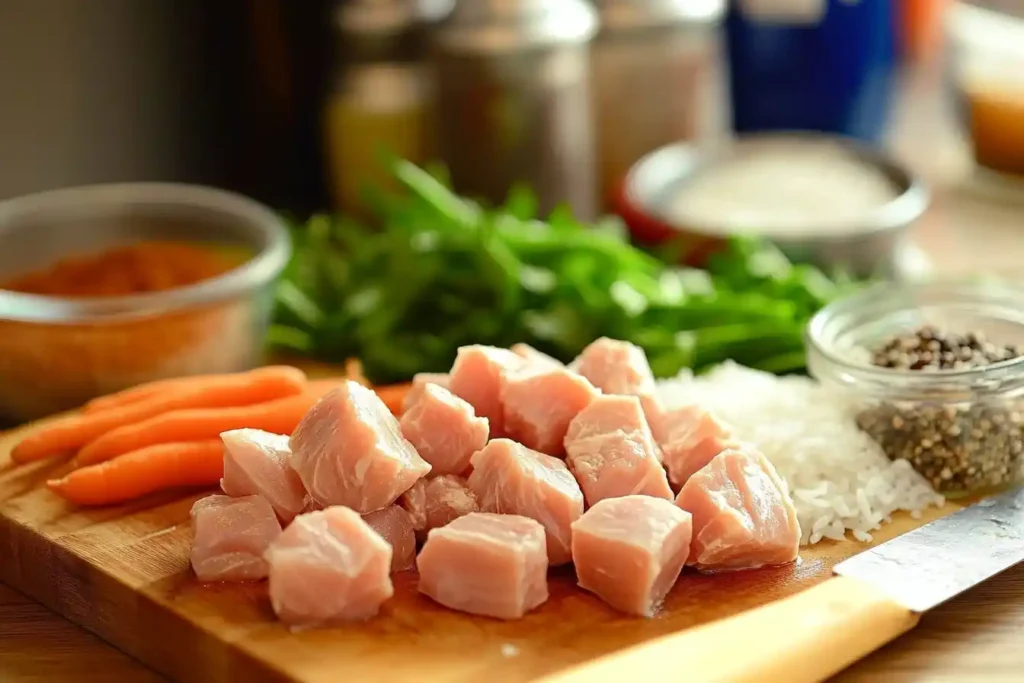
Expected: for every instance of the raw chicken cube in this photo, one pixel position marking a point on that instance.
(444, 430)
(509, 478)
(328, 567)
(493, 565)
(539, 404)
(610, 450)
(619, 367)
(616, 367)
(629, 551)
(394, 525)
(349, 450)
(258, 463)
(434, 502)
(421, 381)
(477, 376)
(230, 536)
(743, 516)
(534, 356)
(690, 437)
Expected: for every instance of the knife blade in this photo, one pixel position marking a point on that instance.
(923, 568)
(872, 598)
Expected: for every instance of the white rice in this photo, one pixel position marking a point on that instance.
(839, 478)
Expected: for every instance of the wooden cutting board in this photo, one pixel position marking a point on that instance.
(123, 573)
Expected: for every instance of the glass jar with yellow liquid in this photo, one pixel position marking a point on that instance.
(379, 105)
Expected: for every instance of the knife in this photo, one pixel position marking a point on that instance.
(873, 598)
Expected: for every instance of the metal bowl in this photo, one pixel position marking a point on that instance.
(56, 353)
(876, 244)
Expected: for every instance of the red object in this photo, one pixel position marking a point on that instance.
(920, 25)
(648, 230)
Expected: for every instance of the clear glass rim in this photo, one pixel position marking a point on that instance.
(258, 271)
(821, 335)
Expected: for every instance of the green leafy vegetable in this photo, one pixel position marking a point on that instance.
(440, 272)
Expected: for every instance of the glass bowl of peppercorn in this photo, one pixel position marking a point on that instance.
(936, 374)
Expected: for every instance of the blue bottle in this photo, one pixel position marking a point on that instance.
(833, 70)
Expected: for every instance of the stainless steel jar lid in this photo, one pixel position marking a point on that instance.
(508, 25)
(631, 15)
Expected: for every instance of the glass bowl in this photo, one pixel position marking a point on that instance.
(963, 430)
(56, 353)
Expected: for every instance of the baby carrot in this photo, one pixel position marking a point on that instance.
(74, 432)
(279, 417)
(160, 467)
(133, 395)
(151, 389)
(393, 395)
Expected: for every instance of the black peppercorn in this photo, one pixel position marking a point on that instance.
(958, 448)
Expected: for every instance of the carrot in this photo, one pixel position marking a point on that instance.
(322, 386)
(393, 396)
(135, 474)
(133, 395)
(151, 389)
(74, 432)
(353, 371)
(280, 417)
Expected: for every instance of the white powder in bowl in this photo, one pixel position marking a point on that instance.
(783, 191)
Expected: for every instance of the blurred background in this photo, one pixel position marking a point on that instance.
(292, 102)
(868, 138)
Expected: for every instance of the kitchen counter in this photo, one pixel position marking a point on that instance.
(973, 638)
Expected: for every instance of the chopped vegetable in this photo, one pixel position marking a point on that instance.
(440, 272)
(257, 386)
(151, 469)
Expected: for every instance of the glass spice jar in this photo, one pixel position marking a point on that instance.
(958, 422)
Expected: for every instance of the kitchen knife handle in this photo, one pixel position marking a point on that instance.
(801, 639)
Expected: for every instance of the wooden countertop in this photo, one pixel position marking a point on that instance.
(973, 638)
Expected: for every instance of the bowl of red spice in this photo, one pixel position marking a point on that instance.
(108, 286)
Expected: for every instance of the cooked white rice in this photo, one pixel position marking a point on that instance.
(839, 478)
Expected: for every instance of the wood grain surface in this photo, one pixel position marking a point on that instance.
(123, 573)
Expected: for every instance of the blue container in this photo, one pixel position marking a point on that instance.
(835, 73)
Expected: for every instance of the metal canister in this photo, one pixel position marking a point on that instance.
(657, 80)
(513, 100)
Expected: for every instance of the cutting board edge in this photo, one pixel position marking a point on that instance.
(47, 565)
(68, 580)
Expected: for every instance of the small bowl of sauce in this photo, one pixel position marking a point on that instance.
(109, 286)
(821, 199)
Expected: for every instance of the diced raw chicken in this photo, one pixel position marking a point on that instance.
(444, 430)
(258, 462)
(349, 450)
(743, 516)
(536, 357)
(509, 478)
(420, 381)
(477, 376)
(327, 567)
(230, 536)
(540, 402)
(610, 450)
(493, 565)
(394, 525)
(620, 367)
(616, 367)
(434, 502)
(690, 437)
(629, 551)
